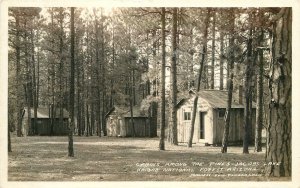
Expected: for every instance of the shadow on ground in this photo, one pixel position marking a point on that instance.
(128, 159)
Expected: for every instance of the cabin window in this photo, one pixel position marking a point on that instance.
(186, 116)
(222, 112)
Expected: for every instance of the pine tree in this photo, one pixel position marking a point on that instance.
(248, 90)
(230, 66)
(279, 130)
(201, 70)
(259, 93)
(72, 87)
(173, 90)
(163, 97)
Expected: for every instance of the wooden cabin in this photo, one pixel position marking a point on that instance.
(118, 123)
(210, 118)
(43, 123)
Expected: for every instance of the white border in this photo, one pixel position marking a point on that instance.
(150, 3)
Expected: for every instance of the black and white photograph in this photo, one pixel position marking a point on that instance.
(108, 93)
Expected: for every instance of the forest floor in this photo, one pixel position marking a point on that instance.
(42, 158)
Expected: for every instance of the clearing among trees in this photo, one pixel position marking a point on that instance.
(128, 159)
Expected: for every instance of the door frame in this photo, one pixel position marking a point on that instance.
(202, 125)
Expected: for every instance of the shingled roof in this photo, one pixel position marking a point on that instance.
(43, 113)
(125, 111)
(216, 98)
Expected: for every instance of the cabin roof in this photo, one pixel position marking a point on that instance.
(125, 111)
(43, 113)
(216, 98)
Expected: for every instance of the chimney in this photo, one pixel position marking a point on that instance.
(241, 94)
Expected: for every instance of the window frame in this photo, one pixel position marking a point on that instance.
(221, 110)
(188, 117)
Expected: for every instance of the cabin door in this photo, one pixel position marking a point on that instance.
(202, 125)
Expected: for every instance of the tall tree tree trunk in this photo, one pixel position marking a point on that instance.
(103, 77)
(154, 49)
(212, 76)
(230, 66)
(248, 93)
(28, 85)
(134, 98)
(205, 68)
(113, 65)
(227, 115)
(83, 102)
(190, 67)
(173, 89)
(61, 68)
(87, 117)
(148, 83)
(98, 116)
(18, 76)
(53, 113)
(38, 77)
(131, 104)
(34, 92)
(221, 60)
(92, 119)
(279, 141)
(9, 139)
(191, 135)
(72, 88)
(79, 124)
(99, 83)
(163, 83)
(259, 96)
(202, 67)
(28, 130)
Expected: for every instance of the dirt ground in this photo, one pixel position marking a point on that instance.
(42, 158)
